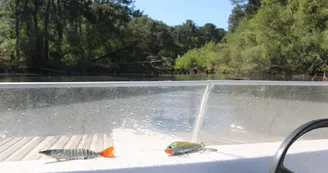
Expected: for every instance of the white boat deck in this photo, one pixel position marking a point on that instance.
(26, 148)
(304, 157)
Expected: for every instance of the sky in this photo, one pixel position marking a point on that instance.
(175, 12)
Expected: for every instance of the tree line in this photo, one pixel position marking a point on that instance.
(77, 35)
(268, 36)
(264, 36)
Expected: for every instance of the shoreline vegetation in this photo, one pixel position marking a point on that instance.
(34, 77)
(113, 38)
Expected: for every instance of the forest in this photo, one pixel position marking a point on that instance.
(84, 36)
(268, 36)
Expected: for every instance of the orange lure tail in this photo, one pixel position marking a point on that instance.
(108, 152)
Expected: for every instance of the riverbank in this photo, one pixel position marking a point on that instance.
(33, 77)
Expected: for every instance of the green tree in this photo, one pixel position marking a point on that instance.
(77, 35)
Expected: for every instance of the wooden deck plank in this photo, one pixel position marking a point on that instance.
(24, 150)
(13, 148)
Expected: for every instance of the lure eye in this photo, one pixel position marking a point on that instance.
(169, 147)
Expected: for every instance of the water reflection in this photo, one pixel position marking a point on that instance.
(218, 76)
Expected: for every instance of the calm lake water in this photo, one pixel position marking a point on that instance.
(22, 78)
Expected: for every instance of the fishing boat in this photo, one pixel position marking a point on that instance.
(255, 126)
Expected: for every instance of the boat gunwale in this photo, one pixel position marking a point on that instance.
(159, 83)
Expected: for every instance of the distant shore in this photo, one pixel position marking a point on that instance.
(142, 76)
